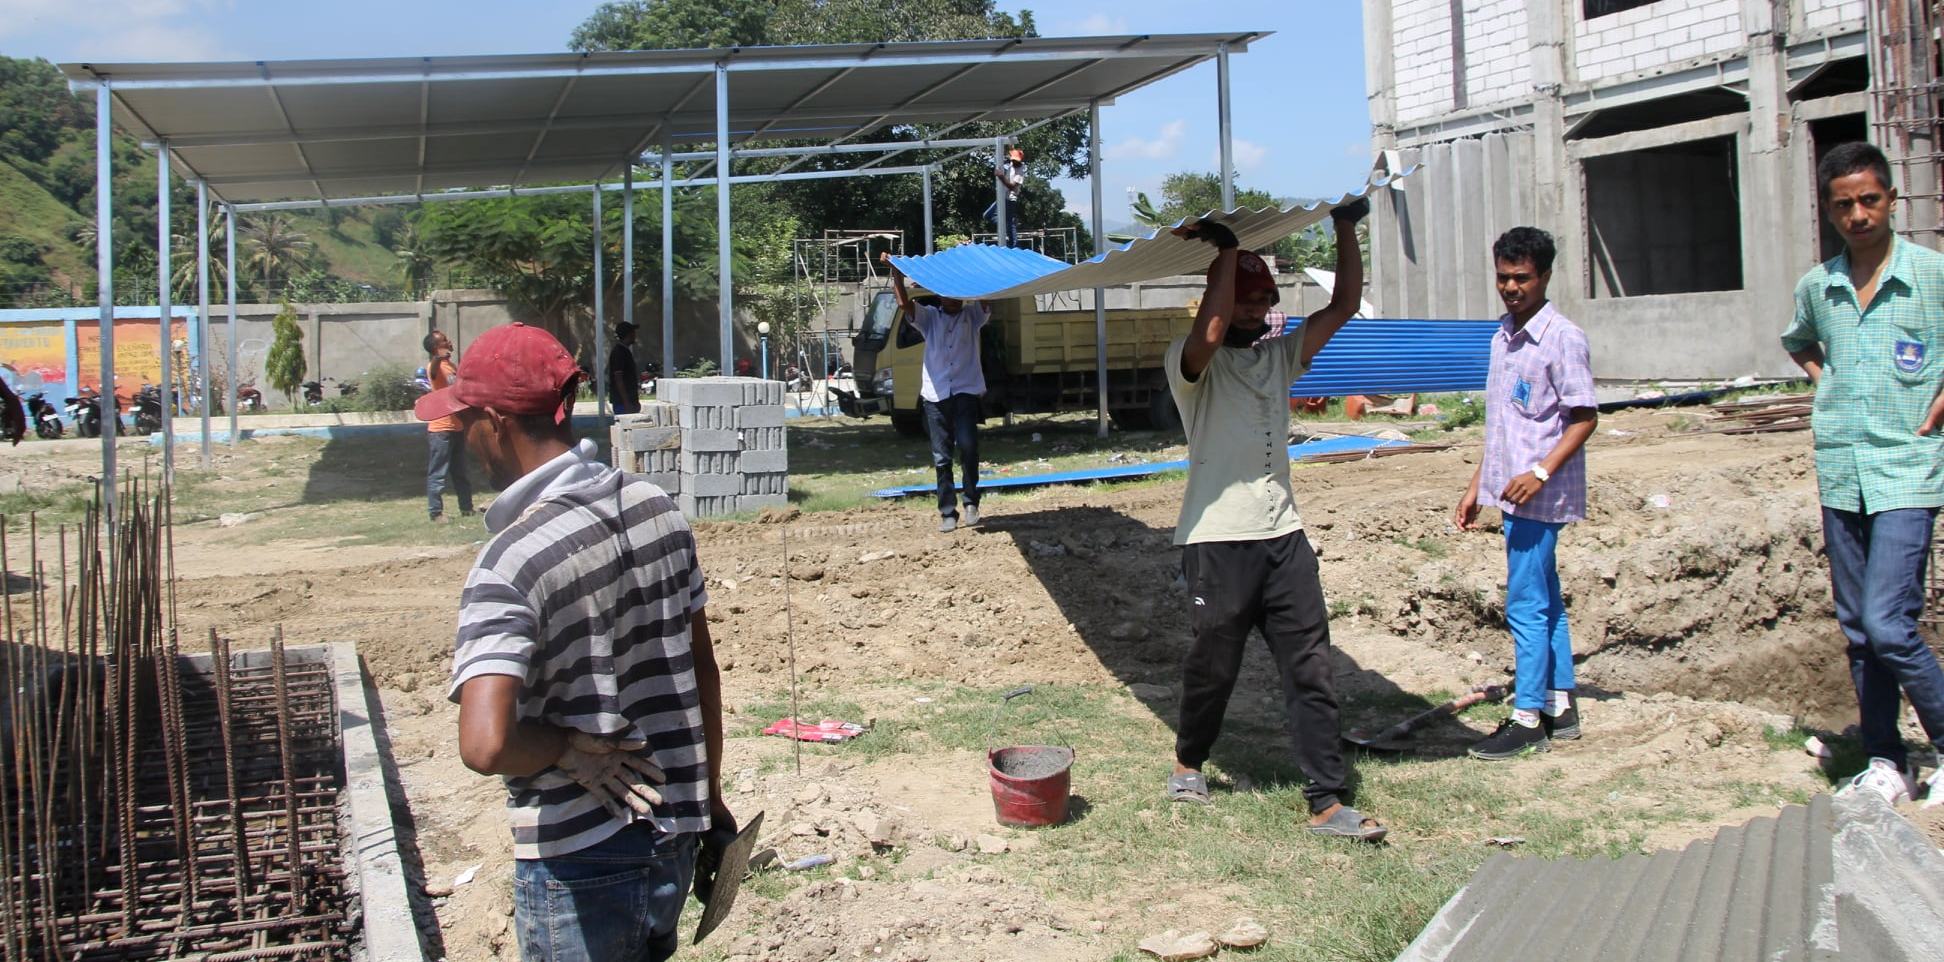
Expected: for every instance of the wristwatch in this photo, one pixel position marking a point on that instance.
(1539, 471)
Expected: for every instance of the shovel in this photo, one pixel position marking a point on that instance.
(1392, 738)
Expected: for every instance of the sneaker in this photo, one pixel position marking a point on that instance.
(1510, 741)
(440, 519)
(971, 515)
(1934, 789)
(947, 523)
(1564, 726)
(1883, 778)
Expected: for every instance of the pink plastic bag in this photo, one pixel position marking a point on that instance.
(828, 730)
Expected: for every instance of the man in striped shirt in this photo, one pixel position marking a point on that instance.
(584, 671)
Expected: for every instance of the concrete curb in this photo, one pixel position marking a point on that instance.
(371, 854)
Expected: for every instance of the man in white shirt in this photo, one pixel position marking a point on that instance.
(951, 391)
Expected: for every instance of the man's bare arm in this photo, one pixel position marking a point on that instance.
(708, 687)
(492, 739)
(1218, 299)
(1810, 359)
(1347, 293)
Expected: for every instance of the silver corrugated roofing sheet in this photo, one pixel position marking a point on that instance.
(995, 273)
(310, 129)
(1849, 880)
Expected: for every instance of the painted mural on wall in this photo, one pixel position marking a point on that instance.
(138, 358)
(36, 353)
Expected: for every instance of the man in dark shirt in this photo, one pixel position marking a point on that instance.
(624, 375)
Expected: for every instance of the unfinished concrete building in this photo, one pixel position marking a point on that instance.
(1669, 146)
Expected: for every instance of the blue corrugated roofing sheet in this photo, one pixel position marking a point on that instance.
(984, 271)
(1123, 472)
(1395, 356)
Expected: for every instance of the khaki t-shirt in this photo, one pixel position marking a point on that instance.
(1237, 419)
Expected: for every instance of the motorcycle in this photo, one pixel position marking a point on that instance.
(148, 409)
(347, 388)
(313, 392)
(84, 411)
(47, 420)
(248, 398)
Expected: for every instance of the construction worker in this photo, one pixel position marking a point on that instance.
(1539, 411)
(624, 375)
(951, 391)
(445, 446)
(1244, 555)
(1011, 176)
(584, 671)
(1868, 327)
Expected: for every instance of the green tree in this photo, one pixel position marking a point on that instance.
(285, 366)
(275, 250)
(415, 263)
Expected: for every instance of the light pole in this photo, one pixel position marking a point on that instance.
(762, 335)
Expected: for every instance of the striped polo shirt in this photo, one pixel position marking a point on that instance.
(585, 592)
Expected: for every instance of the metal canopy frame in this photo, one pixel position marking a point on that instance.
(258, 136)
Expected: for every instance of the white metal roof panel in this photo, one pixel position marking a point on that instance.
(330, 129)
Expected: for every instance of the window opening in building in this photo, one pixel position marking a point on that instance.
(1661, 112)
(1600, 8)
(1664, 220)
(1825, 135)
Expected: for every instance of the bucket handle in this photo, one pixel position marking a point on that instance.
(1005, 699)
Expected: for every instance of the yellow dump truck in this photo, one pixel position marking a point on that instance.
(1038, 355)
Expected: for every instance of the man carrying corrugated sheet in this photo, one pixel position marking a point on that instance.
(1244, 554)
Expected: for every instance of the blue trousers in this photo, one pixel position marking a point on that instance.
(1876, 572)
(1536, 612)
(445, 464)
(615, 901)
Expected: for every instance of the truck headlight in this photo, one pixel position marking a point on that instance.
(883, 381)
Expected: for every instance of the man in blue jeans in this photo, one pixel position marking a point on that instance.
(950, 391)
(584, 671)
(1539, 411)
(1868, 326)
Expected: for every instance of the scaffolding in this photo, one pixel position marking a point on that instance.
(829, 268)
(1905, 84)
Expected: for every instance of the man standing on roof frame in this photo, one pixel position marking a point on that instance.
(1247, 562)
(1012, 176)
(951, 392)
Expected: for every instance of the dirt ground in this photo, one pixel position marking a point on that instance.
(1699, 603)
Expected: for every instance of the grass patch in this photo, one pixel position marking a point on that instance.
(1432, 547)
(67, 504)
(1846, 756)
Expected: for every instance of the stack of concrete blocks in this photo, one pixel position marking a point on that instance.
(715, 444)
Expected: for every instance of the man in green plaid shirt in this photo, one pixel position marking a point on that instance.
(1868, 329)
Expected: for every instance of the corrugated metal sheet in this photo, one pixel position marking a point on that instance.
(1828, 881)
(994, 273)
(1127, 471)
(1387, 356)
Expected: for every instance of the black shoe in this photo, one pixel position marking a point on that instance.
(1510, 741)
(1564, 726)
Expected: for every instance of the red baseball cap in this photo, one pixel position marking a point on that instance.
(513, 369)
(1252, 275)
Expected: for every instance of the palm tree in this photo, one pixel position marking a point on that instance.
(414, 264)
(182, 256)
(273, 248)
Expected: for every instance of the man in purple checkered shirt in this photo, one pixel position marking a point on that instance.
(1539, 411)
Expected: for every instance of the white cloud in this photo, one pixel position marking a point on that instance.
(1161, 147)
(118, 29)
(1095, 25)
(1249, 155)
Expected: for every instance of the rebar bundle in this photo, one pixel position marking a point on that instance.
(152, 808)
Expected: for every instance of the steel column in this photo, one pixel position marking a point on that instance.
(105, 296)
(726, 297)
(999, 210)
(201, 330)
(165, 320)
(668, 259)
(1227, 126)
(229, 269)
(929, 247)
(1100, 294)
(600, 312)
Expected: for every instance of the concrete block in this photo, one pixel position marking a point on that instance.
(701, 440)
(708, 462)
(671, 389)
(761, 461)
(669, 481)
(658, 414)
(760, 416)
(652, 439)
(757, 502)
(764, 439)
(693, 506)
(710, 418)
(713, 485)
(713, 392)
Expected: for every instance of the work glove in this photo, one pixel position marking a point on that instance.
(623, 782)
(1214, 232)
(708, 856)
(1352, 212)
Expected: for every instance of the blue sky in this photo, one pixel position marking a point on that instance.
(1302, 127)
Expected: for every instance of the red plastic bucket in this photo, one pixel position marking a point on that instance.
(1030, 784)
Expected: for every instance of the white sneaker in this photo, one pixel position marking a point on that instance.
(1884, 779)
(1934, 789)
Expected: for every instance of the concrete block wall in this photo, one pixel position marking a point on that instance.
(715, 444)
(1824, 14)
(1498, 55)
(1421, 49)
(1655, 35)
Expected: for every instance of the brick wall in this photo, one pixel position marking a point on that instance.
(1421, 54)
(1498, 57)
(1655, 35)
(1822, 14)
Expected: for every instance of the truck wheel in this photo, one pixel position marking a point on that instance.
(1163, 414)
(911, 424)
